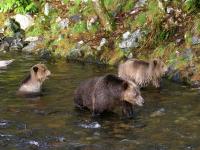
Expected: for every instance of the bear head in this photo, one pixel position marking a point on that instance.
(159, 68)
(131, 93)
(124, 89)
(40, 72)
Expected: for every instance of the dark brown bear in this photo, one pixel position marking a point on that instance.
(104, 93)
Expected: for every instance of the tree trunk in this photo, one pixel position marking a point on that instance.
(103, 15)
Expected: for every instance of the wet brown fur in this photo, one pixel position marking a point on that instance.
(33, 82)
(103, 93)
(143, 72)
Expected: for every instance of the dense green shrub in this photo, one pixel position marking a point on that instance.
(18, 6)
(192, 5)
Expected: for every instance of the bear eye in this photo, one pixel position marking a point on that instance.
(125, 85)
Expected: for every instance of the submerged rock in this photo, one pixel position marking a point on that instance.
(4, 64)
(159, 112)
(4, 46)
(34, 143)
(195, 84)
(81, 51)
(93, 125)
(16, 45)
(33, 45)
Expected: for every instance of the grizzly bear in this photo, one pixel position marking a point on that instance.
(143, 72)
(104, 93)
(31, 85)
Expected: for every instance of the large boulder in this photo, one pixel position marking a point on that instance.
(25, 21)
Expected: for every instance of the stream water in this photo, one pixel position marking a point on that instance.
(169, 120)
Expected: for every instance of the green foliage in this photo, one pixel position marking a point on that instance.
(65, 1)
(128, 6)
(159, 51)
(79, 27)
(192, 5)
(73, 10)
(188, 38)
(108, 2)
(77, 2)
(18, 6)
(140, 19)
(94, 28)
(35, 31)
(38, 28)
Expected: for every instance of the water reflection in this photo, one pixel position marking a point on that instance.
(170, 118)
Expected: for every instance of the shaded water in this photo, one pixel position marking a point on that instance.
(170, 118)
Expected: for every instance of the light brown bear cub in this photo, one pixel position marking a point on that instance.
(33, 82)
(143, 72)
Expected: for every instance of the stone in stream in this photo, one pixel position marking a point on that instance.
(4, 46)
(31, 47)
(93, 125)
(159, 112)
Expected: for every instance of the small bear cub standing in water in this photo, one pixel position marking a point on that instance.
(143, 72)
(31, 85)
(104, 93)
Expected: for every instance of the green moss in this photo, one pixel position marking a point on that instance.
(35, 31)
(196, 27)
(188, 38)
(65, 1)
(88, 10)
(95, 27)
(128, 6)
(159, 51)
(140, 20)
(108, 2)
(191, 6)
(73, 10)
(79, 27)
(18, 6)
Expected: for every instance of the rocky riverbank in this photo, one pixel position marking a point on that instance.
(141, 29)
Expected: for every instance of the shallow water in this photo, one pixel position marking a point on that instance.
(169, 120)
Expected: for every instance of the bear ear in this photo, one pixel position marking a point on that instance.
(125, 85)
(35, 69)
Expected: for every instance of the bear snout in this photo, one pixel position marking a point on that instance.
(48, 73)
(140, 101)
